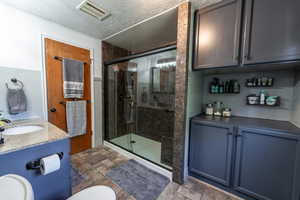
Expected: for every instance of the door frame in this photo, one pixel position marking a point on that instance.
(44, 81)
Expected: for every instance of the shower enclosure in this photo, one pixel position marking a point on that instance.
(139, 105)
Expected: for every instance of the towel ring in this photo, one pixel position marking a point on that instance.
(16, 82)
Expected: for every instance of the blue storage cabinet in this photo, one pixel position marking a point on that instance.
(211, 151)
(54, 186)
(267, 164)
(254, 163)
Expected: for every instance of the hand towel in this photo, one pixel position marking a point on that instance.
(73, 77)
(76, 117)
(16, 101)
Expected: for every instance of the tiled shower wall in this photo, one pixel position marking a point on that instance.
(283, 86)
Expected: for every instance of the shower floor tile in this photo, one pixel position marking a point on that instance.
(143, 147)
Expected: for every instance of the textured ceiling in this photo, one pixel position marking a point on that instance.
(148, 35)
(124, 13)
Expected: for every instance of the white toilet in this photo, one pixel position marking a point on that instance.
(15, 187)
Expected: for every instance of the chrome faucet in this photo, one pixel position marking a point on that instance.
(3, 123)
(2, 129)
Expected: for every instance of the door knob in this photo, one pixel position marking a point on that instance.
(53, 110)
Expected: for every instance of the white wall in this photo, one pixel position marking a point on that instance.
(34, 94)
(21, 44)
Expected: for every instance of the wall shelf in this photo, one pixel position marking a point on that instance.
(277, 104)
(225, 93)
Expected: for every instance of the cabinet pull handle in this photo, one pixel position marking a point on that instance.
(247, 57)
(229, 133)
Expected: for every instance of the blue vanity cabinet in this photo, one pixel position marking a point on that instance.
(267, 164)
(211, 149)
(54, 186)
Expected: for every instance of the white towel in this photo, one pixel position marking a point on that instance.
(76, 117)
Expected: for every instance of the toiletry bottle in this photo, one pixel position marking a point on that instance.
(221, 88)
(262, 97)
(217, 85)
(209, 109)
(254, 83)
(212, 87)
(226, 88)
(236, 87)
(231, 86)
(218, 108)
(259, 82)
(270, 82)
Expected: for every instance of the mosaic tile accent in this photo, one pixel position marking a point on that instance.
(184, 13)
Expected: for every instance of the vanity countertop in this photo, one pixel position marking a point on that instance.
(49, 133)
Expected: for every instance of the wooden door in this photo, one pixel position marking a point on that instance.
(266, 164)
(272, 31)
(56, 110)
(211, 149)
(217, 42)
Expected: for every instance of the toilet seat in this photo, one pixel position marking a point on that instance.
(14, 187)
(95, 193)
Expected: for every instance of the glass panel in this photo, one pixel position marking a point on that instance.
(140, 106)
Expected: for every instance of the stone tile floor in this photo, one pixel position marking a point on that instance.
(94, 164)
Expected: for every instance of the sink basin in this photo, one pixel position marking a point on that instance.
(20, 130)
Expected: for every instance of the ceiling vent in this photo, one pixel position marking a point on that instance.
(93, 9)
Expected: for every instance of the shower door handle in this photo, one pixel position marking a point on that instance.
(169, 111)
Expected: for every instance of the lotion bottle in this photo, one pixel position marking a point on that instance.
(262, 97)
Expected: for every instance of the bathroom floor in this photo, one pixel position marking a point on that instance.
(143, 146)
(93, 165)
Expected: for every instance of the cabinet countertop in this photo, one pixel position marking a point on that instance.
(49, 133)
(246, 122)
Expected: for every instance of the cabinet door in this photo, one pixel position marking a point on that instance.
(217, 36)
(266, 165)
(211, 152)
(272, 29)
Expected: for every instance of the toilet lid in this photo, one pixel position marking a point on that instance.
(14, 187)
(95, 193)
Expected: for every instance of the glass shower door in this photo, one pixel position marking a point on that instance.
(120, 101)
(139, 96)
